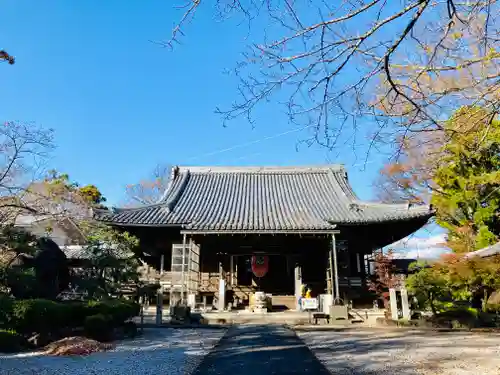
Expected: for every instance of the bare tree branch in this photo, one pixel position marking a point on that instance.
(23, 148)
(387, 70)
(149, 190)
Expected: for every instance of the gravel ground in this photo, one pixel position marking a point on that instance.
(403, 352)
(158, 351)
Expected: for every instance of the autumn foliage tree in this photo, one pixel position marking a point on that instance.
(383, 278)
(61, 189)
(455, 280)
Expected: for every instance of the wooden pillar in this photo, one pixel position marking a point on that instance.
(231, 268)
(159, 306)
(298, 282)
(183, 281)
(236, 271)
(189, 267)
(336, 295)
(222, 288)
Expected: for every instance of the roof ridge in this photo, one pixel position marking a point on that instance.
(263, 169)
(176, 193)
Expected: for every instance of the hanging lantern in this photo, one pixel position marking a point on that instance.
(260, 265)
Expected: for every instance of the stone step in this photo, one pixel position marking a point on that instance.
(287, 302)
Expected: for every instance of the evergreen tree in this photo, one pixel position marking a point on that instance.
(467, 180)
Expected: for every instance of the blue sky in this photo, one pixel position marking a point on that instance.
(120, 104)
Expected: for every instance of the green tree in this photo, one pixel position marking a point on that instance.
(473, 280)
(92, 195)
(111, 261)
(467, 180)
(455, 280)
(14, 245)
(458, 172)
(61, 188)
(428, 284)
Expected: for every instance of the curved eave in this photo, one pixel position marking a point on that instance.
(380, 214)
(152, 215)
(383, 233)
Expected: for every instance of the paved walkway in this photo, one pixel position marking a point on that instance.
(260, 350)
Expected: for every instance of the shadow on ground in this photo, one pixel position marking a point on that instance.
(259, 350)
(405, 352)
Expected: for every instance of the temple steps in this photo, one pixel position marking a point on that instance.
(284, 303)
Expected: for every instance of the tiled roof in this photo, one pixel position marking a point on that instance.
(81, 252)
(486, 252)
(74, 252)
(261, 199)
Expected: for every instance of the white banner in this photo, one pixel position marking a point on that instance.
(309, 303)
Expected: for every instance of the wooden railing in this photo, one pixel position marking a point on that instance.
(351, 282)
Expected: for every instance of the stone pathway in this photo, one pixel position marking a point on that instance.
(260, 350)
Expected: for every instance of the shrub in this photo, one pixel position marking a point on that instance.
(119, 310)
(123, 311)
(75, 313)
(11, 341)
(98, 327)
(36, 315)
(130, 329)
(458, 317)
(461, 312)
(6, 305)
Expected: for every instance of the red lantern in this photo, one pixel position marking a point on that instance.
(260, 265)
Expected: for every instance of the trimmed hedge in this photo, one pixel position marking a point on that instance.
(36, 316)
(99, 327)
(11, 341)
(6, 304)
(44, 316)
(119, 311)
(130, 329)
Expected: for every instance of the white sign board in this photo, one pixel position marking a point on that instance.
(309, 303)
